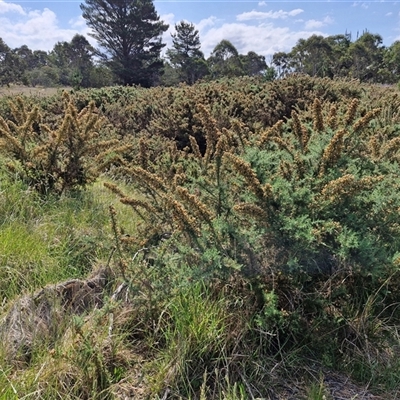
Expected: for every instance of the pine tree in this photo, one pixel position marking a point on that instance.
(130, 32)
(186, 55)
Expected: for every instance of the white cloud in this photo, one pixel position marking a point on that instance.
(38, 29)
(203, 26)
(314, 24)
(166, 36)
(252, 31)
(10, 7)
(264, 39)
(250, 15)
(78, 22)
(168, 19)
(389, 14)
(204, 23)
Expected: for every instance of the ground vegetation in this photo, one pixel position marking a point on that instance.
(236, 239)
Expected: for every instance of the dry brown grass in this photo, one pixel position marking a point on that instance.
(30, 91)
(37, 315)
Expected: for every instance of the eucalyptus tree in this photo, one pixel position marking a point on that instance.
(341, 59)
(224, 61)
(391, 59)
(313, 56)
(283, 63)
(253, 64)
(367, 57)
(10, 68)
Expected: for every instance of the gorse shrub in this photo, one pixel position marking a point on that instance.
(264, 232)
(174, 112)
(305, 211)
(329, 195)
(54, 160)
(315, 191)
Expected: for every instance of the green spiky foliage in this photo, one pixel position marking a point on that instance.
(54, 159)
(288, 208)
(255, 245)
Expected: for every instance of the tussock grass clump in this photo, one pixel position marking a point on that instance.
(36, 317)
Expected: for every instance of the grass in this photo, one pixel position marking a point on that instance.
(13, 90)
(47, 240)
(25, 259)
(196, 335)
(164, 333)
(316, 391)
(42, 241)
(200, 340)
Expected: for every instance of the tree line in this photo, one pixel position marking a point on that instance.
(129, 37)
(365, 59)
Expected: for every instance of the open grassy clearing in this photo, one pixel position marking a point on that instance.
(251, 249)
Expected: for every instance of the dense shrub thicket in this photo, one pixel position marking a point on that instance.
(280, 199)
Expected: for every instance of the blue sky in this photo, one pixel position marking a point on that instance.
(264, 26)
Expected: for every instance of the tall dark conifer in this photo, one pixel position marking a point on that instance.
(130, 33)
(185, 55)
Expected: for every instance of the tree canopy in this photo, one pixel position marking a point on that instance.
(130, 33)
(185, 54)
(365, 59)
(133, 55)
(225, 61)
(74, 60)
(9, 64)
